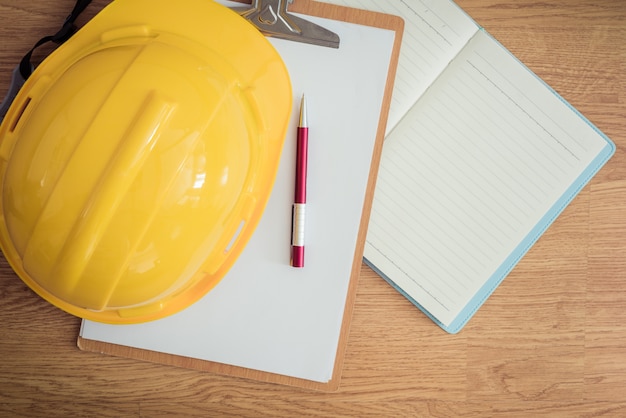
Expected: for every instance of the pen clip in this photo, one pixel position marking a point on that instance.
(272, 19)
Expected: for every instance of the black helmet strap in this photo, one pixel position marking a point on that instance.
(65, 33)
(25, 67)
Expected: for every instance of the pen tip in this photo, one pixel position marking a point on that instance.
(303, 116)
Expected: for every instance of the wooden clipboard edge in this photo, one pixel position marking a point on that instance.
(156, 357)
(333, 12)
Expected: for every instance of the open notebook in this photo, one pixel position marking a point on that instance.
(480, 157)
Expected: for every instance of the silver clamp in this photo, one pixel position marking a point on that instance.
(272, 19)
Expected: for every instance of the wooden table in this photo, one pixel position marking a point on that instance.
(551, 341)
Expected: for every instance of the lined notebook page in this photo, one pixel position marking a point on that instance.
(468, 173)
(434, 33)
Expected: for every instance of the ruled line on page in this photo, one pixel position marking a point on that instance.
(537, 109)
(527, 140)
(518, 142)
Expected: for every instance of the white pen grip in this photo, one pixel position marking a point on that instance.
(297, 231)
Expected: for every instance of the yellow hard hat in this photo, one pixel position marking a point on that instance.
(137, 159)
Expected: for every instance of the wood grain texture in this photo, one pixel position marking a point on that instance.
(551, 341)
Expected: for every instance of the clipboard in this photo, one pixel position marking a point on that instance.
(391, 24)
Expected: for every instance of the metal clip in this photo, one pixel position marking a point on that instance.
(272, 19)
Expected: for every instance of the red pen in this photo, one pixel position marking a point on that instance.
(298, 210)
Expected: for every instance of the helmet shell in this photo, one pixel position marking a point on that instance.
(137, 159)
